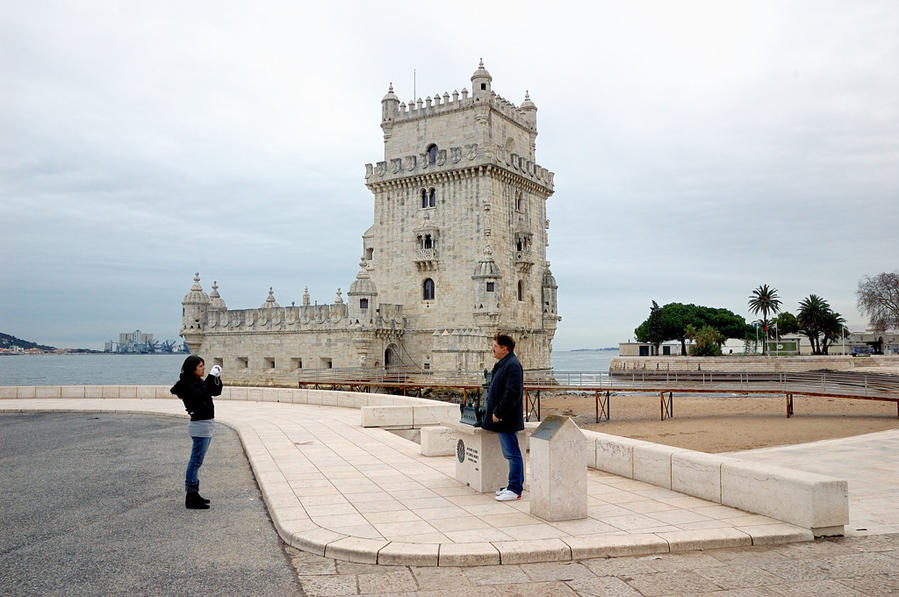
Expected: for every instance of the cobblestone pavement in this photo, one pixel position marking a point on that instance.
(847, 567)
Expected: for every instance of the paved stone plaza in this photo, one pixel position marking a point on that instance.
(360, 491)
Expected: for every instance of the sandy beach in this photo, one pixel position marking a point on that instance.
(716, 424)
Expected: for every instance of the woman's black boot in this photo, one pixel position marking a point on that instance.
(201, 498)
(193, 501)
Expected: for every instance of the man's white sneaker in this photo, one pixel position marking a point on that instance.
(507, 495)
(499, 491)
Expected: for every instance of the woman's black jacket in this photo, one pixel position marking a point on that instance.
(197, 396)
(505, 397)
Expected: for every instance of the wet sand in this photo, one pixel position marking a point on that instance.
(725, 424)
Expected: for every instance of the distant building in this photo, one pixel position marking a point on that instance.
(135, 341)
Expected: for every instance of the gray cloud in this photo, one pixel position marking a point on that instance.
(700, 150)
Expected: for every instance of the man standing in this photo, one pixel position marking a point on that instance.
(505, 413)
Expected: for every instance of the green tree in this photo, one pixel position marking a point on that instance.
(833, 329)
(786, 323)
(707, 341)
(655, 331)
(814, 313)
(672, 321)
(765, 300)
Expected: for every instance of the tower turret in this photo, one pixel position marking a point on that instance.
(390, 106)
(194, 315)
(362, 297)
(270, 302)
(487, 289)
(480, 84)
(529, 111)
(216, 303)
(550, 305)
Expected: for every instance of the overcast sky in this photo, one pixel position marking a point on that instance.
(700, 149)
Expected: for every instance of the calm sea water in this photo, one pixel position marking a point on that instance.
(162, 369)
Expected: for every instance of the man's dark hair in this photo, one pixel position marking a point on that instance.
(504, 340)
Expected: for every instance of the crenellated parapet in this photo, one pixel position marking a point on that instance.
(455, 162)
(442, 104)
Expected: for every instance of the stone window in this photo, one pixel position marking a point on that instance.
(483, 86)
(432, 153)
(363, 303)
(490, 286)
(326, 363)
(521, 290)
(296, 363)
(428, 289)
(519, 202)
(428, 243)
(243, 362)
(428, 198)
(268, 362)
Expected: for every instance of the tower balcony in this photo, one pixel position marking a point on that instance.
(425, 259)
(524, 261)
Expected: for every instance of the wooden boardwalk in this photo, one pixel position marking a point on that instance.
(847, 385)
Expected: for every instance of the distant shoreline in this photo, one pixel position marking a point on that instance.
(591, 349)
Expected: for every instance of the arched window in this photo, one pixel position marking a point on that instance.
(424, 197)
(432, 153)
(363, 303)
(521, 290)
(518, 203)
(428, 289)
(429, 244)
(432, 198)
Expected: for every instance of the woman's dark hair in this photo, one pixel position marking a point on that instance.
(189, 368)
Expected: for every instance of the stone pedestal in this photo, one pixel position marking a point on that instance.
(559, 454)
(479, 457)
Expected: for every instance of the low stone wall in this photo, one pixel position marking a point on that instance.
(815, 502)
(291, 396)
(750, 364)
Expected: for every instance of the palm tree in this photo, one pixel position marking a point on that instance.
(814, 313)
(834, 327)
(766, 300)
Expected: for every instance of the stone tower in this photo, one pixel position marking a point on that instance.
(455, 254)
(460, 229)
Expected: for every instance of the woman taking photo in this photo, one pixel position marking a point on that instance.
(196, 393)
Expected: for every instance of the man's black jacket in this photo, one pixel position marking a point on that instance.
(505, 397)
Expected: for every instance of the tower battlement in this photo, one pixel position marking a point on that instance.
(441, 104)
(455, 158)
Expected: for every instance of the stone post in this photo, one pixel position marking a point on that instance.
(558, 470)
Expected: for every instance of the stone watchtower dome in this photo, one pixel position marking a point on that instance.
(216, 303)
(480, 84)
(362, 297)
(270, 302)
(487, 289)
(193, 315)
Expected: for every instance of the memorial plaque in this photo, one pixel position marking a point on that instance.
(549, 427)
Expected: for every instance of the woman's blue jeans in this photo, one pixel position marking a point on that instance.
(511, 452)
(197, 453)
